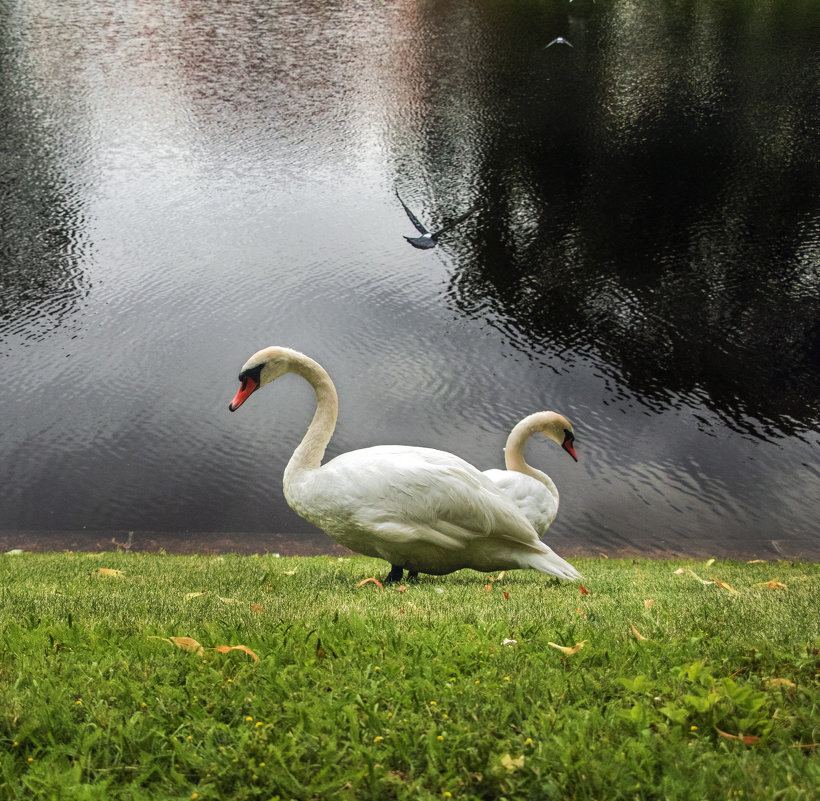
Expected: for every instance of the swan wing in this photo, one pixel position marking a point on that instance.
(403, 492)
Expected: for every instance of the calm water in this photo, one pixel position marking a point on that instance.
(185, 183)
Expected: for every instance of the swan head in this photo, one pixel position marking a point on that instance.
(263, 367)
(552, 425)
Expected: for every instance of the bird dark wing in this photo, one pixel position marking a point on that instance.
(457, 220)
(413, 219)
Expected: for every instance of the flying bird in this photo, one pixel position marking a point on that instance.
(559, 40)
(429, 239)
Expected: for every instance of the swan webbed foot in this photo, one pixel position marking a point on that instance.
(395, 574)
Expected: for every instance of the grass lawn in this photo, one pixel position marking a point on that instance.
(449, 688)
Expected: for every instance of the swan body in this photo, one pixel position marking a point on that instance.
(421, 509)
(533, 491)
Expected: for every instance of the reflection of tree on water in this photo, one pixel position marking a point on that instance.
(665, 224)
(40, 277)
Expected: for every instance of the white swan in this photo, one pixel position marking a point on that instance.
(423, 510)
(532, 491)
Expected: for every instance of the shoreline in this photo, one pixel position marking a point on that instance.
(318, 544)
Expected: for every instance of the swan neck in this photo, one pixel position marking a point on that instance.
(514, 455)
(311, 450)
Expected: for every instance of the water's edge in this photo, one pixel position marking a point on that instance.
(216, 543)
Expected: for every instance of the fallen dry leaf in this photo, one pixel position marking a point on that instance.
(185, 643)
(726, 586)
(569, 651)
(224, 649)
(775, 585)
(403, 588)
(749, 739)
(512, 763)
(755, 562)
(290, 572)
(638, 635)
(501, 575)
(649, 603)
(189, 595)
(583, 589)
(601, 553)
(257, 609)
(375, 581)
(107, 571)
(229, 600)
(679, 572)
(696, 576)
(506, 596)
(508, 641)
(709, 562)
(769, 683)
(488, 588)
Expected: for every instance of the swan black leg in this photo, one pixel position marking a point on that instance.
(412, 575)
(394, 575)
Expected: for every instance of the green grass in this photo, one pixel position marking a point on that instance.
(361, 694)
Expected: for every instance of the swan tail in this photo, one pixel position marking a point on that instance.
(550, 562)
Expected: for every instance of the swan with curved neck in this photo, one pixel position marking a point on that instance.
(533, 491)
(422, 510)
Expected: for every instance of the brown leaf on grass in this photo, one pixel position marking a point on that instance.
(257, 609)
(749, 739)
(772, 683)
(512, 763)
(569, 650)
(773, 584)
(697, 577)
(185, 643)
(501, 575)
(189, 595)
(224, 649)
(638, 635)
(726, 586)
(107, 571)
(229, 601)
(649, 603)
(403, 588)
(709, 562)
(375, 581)
(583, 589)
(755, 562)
(506, 596)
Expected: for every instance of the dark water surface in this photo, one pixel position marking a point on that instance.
(185, 183)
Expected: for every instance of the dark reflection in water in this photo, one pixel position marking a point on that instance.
(185, 183)
(654, 200)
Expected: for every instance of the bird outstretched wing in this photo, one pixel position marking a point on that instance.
(413, 219)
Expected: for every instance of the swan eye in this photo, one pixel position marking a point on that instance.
(252, 373)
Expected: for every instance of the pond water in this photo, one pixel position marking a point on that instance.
(185, 183)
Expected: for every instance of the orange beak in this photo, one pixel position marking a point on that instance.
(249, 386)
